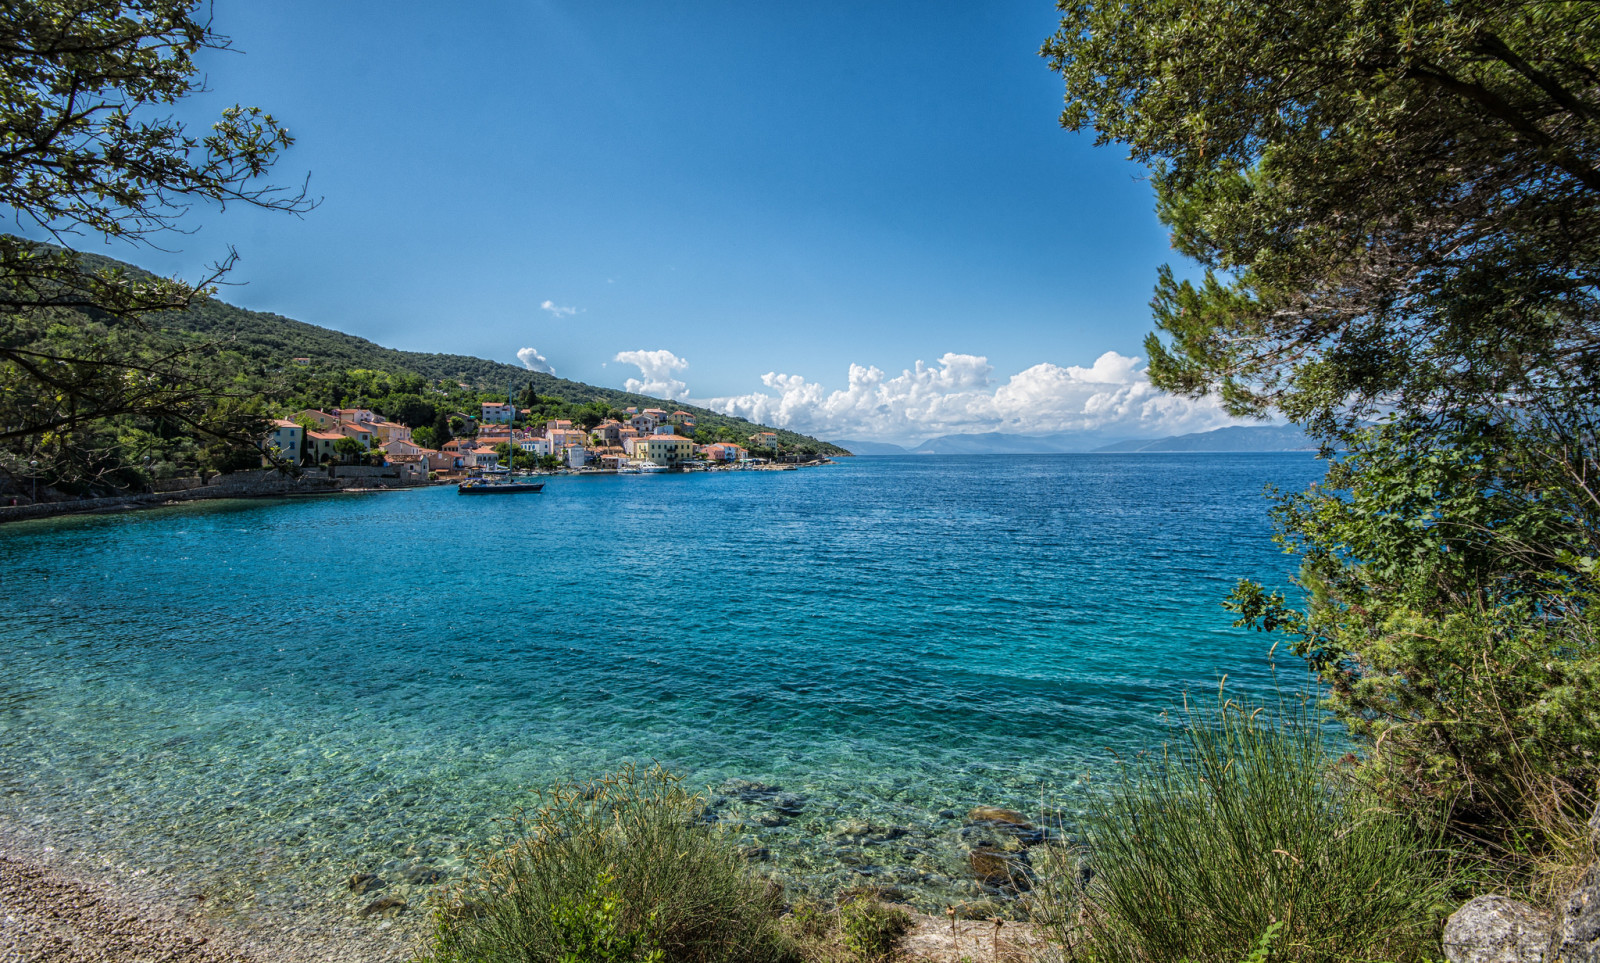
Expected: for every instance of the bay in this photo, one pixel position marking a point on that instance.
(268, 696)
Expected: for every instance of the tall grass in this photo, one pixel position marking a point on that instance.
(622, 870)
(1242, 832)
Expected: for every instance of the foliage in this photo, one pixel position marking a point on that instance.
(1395, 203)
(873, 931)
(589, 930)
(666, 881)
(1452, 585)
(87, 146)
(1241, 829)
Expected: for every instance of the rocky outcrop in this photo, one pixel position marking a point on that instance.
(1577, 934)
(1497, 929)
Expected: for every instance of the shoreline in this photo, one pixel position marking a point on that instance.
(61, 903)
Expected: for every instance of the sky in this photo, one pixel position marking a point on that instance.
(856, 220)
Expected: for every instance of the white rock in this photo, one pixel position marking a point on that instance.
(1495, 929)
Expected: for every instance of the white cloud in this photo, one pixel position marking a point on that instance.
(558, 311)
(655, 373)
(958, 395)
(534, 361)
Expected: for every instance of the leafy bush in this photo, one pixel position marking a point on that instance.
(1239, 834)
(1453, 582)
(873, 931)
(623, 870)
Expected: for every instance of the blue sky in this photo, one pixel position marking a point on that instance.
(742, 201)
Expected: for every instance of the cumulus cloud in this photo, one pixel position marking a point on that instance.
(959, 394)
(656, 369)
(534, 361)
(558, 311)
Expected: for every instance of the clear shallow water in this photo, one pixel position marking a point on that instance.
(268, 696)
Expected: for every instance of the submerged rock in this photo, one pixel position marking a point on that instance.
(420, 874)
(1495, 929)
(387, 907)
(1002, 817)
(364, 882)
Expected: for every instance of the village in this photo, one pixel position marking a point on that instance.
(498, 437)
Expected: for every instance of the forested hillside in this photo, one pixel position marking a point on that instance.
(271, 342)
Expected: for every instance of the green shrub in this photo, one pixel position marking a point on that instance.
(1451, 612)
(1239, 838)
(873, 931)
(623, 870)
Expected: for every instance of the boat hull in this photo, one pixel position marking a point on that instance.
(499, 489)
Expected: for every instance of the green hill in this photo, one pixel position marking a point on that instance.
(272, 342)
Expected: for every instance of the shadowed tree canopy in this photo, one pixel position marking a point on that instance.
(88, 149)
(1394, 203)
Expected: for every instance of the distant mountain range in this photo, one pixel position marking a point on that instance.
(1233, 438)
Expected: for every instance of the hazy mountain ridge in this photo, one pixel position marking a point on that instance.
(1231, 438)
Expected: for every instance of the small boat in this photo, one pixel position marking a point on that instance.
(499, 481)
(498, 485)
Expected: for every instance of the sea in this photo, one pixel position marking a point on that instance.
(258, 699)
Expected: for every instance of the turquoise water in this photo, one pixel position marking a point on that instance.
(268, 696)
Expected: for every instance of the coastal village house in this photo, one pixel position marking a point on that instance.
(319, 446)
(288, 438)
(723, 452)
(359, 432)
(669, 450)
(764, 439)
(498, 413)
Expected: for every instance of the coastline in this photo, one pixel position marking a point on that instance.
(61, 902)
(59, 905)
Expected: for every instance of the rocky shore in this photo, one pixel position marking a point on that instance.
(59, 905)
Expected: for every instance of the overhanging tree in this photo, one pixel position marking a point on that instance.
(1394, 203)
(87, 151)
(1396, 207)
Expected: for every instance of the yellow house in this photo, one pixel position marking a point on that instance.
(669, 450)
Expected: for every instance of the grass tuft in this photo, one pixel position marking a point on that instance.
(623, 870)
(1242, 841)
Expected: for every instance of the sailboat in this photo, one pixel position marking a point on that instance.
(501, 481)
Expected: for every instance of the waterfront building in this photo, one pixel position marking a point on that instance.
(288, 438)
(724, 452)
(669, 450)
(319, 446)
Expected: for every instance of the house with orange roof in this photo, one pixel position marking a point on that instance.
(764, 439)
(668, 450)
(724, 452)
(388, 431)
(322, 419)
(358, 431)
(319, 446)
(608, 433)
(480, 457)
